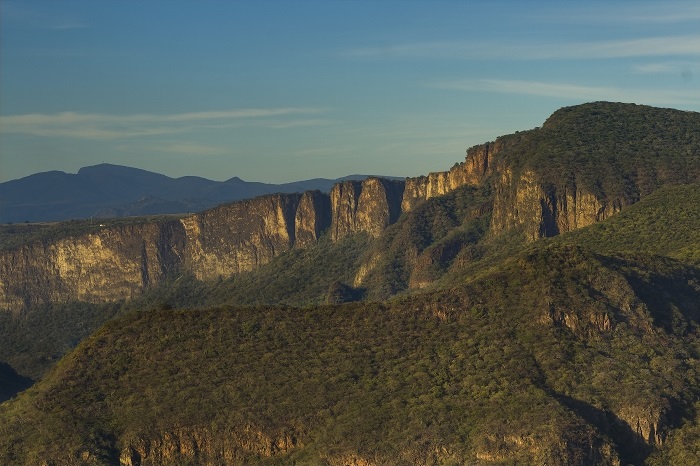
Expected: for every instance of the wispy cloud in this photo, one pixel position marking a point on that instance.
(32, 16)
(667, 12)
(110, 126)
(574, 91)
(191, 149)
(684, 45)
(683, 69)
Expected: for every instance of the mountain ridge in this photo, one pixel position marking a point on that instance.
(108, 190)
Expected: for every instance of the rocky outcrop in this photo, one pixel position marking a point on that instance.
(479, 164)
(368, 206)
(204, 447)
(111, 264)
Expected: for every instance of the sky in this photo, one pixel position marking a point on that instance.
(286, 90)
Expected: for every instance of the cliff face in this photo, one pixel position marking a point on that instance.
(113, 264)
(312, 218)
(240, 236)
(584, 165)
(120, 262)
(368, 206)
(542, 210)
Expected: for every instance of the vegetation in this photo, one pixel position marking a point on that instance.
(529, 353)
(455, 345)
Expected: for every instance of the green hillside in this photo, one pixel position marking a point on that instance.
(665, 223)
(457, 343)
(519, 365)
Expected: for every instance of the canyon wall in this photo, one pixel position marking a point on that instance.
(120, 262)
(114, 263)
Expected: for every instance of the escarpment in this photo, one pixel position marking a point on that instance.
(369, 206)
(584, 165)
(111, 264)
(240, 236)
(120, 262)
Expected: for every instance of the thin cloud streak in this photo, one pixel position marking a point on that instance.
(191, 149)
(686, 45)
(664, 68)
(108, 126)
(573, 91)
(625, 13)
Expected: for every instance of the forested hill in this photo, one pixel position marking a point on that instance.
(535, 304)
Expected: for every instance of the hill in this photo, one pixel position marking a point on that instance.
(560, 356)
(535, 304)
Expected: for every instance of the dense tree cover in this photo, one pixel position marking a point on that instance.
(528, 354)
(615, 151)
(464, 346)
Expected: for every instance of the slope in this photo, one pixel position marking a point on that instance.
(523, 364)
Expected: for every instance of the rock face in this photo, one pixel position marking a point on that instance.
(240, 236)
(368, 206)
(201, 445)
(113, 264)
(541, 210)
(563, 176)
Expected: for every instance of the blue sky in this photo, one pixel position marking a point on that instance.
(285, 90)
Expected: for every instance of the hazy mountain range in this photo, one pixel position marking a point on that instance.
(107, 190)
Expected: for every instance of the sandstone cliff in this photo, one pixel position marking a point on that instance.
(584, 165)
(239, 236)
(368, 206)
(114, 263)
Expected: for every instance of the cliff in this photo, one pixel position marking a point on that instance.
(369, 206)
(239, 236)
(108, 265)
(583, 166)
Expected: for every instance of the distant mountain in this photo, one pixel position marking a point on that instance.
(108, 190)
